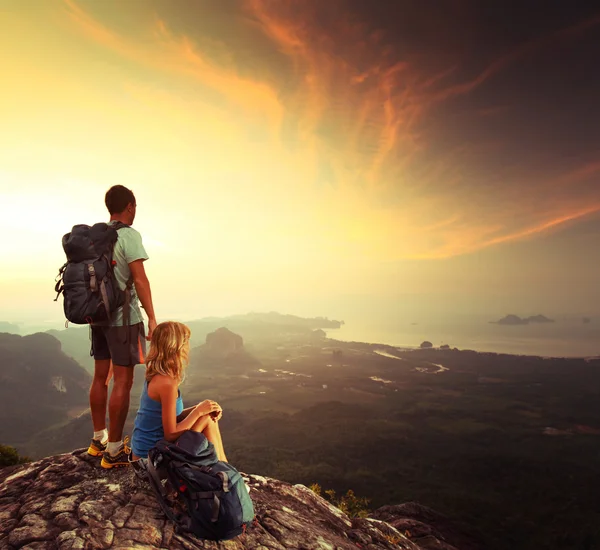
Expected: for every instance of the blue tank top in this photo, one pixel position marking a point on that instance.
(148, 427)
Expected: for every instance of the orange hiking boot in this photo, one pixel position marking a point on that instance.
(96, 448)
(119, 460)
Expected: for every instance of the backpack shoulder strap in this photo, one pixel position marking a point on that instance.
(59, 286)
(119, 225)
(160, 492)
(128, 285)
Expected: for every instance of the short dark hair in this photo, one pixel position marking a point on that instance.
(117, 198)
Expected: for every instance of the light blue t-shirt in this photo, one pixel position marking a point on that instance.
(128, 248)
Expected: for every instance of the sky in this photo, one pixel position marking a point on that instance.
(343, 158)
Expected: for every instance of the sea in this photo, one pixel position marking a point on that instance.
(566, 337)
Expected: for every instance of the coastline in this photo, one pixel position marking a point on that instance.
(516, 344)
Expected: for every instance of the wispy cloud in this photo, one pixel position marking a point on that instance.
(353, 122)
(519, 52)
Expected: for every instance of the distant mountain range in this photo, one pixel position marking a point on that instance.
(12, 328)
(252, 327)
(273, 317)
(40, 385)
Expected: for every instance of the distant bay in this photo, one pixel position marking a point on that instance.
(565, 338)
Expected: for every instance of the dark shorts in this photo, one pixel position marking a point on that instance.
(125, 345)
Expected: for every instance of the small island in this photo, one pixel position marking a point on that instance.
(515, 320)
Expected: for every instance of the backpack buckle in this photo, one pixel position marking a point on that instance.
(93, 284)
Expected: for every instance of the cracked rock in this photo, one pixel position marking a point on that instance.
(68, 502)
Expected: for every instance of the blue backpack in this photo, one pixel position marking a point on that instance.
(200, 494)
(87, 282)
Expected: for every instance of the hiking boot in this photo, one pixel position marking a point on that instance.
(96, 448)
(120, 459)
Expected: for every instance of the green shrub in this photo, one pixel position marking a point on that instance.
(350, 504)
(9, 457)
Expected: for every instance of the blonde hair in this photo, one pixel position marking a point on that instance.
(169, 350)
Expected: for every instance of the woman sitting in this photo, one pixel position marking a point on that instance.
(161, 414)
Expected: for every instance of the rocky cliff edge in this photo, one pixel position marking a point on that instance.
(68, 502)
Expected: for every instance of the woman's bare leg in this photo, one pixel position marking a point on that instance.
(213, 433)
(210, 428)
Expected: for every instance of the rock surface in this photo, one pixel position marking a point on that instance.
(68, 502)
(427, 528)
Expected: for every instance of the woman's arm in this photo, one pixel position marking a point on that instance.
(184, 413)
(172, 429)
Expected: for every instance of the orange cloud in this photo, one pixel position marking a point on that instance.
(350, 120)
(178, 54)
(582, 173)
(94, 30)
(545, 226)
(376, 109)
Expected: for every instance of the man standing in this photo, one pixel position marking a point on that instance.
(122, 341)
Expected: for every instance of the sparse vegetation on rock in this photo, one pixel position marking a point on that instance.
(352, 505)
(10, 457)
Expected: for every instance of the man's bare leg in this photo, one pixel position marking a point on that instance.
(118, 406)
(99, 393)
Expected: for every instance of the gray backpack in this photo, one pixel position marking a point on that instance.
(87, 281)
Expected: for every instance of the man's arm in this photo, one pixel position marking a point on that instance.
(142, 288)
